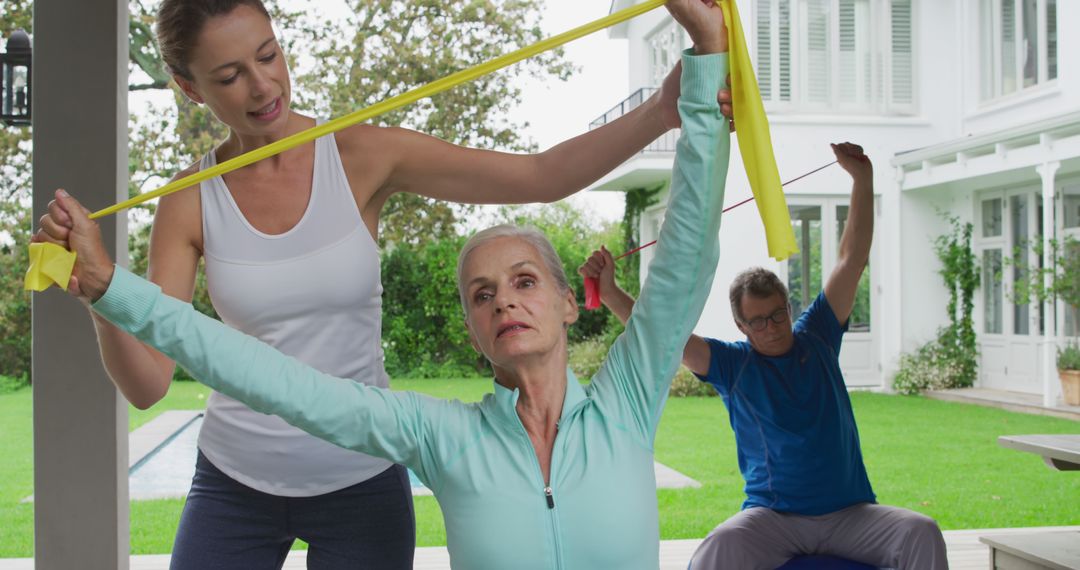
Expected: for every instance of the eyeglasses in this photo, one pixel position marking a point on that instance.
(779, 316)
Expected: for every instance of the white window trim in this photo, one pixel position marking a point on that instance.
(1063, 232)
(1004, 243)
(993, 35)
(1032, 195)
(981, 245)
(881, 67)
(830, 252)
(1029, 96)
(667, 25)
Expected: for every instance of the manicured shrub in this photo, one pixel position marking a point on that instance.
(685, 384)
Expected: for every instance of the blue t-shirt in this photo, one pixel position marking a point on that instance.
(795, 430)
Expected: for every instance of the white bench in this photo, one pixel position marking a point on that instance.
(1046, 550)
(1059, 451)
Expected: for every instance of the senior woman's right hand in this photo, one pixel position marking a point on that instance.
(601, 266)
(68, 225)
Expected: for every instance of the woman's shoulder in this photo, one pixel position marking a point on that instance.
(187, 171)
(368, 139)
(184, 195)
(180, 212)
(377, 141)
(369, 154)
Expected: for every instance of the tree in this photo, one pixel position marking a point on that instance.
(1062, 278)
(14, 222)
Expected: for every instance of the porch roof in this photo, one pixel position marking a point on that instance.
(1007, 155)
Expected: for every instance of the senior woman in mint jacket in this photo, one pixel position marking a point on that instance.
(543, 473)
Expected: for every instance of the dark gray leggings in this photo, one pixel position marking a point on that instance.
(227, 525)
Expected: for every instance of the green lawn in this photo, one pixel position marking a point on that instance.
(938, 458)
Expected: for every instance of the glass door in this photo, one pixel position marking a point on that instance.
(1010, 225)
(818, 224)
(804, 268)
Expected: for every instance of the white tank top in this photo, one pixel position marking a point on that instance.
(314, 293)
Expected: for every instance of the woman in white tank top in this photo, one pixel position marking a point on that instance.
(291, 258)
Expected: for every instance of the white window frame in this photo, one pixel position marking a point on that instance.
(991, 67)
(880, 99)
(1006, 244)
(671, 34)
(982, 244)
(830, 249)
(1031, 196)
(1065, 233)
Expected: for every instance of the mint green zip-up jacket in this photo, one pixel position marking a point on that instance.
(599, 511)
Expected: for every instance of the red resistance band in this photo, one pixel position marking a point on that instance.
(592, 285)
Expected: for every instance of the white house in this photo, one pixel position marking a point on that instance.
(966, 107)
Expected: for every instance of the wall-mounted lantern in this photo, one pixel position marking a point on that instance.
(15, 80)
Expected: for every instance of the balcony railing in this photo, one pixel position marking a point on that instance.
(666, 142)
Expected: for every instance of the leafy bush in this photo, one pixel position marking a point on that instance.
(9, 384)
(423, 328)
(950, 360)
(931, 367)
(958, 350)
(1068, 358)
(586, 356)
(686, 384)
(14, 301)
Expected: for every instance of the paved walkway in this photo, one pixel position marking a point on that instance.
(1012, 401)
(965, 553)
(168, 474)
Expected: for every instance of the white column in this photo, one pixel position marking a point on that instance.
(80, 420)
(890, 327)
(1049, 341)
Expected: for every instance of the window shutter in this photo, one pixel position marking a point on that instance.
(1051, 38)
(1008, 47)
(784, 48)
(902, 95)
(818, 67)
(847, 58)
(765, 49)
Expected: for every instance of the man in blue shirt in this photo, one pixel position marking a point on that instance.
(806, 486)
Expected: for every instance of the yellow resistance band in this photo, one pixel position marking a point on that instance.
(755, 142)
(46, 268)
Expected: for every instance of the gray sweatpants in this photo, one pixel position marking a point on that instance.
(886, 537)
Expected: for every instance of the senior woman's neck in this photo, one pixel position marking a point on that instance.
(541, 385)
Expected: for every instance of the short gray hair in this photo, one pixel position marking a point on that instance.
(757, 281)
(528, 234)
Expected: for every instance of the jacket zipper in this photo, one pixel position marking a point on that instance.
(548, 497)
(549, 493)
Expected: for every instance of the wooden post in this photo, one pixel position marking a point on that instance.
(80, 420)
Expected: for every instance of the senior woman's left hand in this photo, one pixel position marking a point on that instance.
(68, 224)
